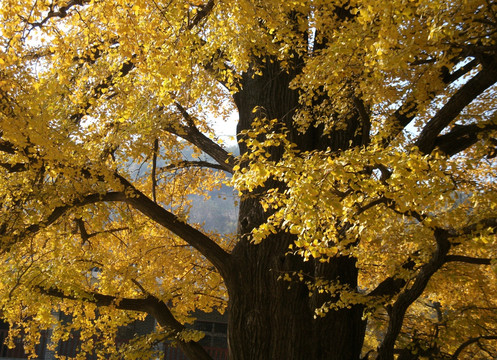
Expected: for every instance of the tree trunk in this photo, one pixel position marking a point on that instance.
(270, 318)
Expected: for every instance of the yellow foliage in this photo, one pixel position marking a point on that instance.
(100, 100)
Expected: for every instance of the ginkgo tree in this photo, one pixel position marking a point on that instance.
(367, 135)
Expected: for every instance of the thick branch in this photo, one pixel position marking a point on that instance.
(365, 119)
(201, 242)
(165, 318)
(82, 230)
(391, 286)
(14, 168)
(476, 228)
(382, 200)
(408, 111)
(388, 287)
(194, 136)
(469, 342)
(463, 97)
(461, 137)
(409, 295)
(7, 147)
(468, 260)
(463, 70)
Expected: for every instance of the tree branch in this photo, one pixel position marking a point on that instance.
(468, 259)
(201, 242)
(365, 119)
(204, 12)
(85, 236)
(151, 305)
(391, 204)
(382, 200)
(410, 294)
(56, 213)
(98, 90)
(215, 71)
(391, 286)
(7, 147)
(60, 13)
(218, 54)
(188, 164)
(195, 137)
(28, 151)
(154, 169)
(388, 287)
(14, 168)
(468, 342)
(476, 228)
(461, 137)
(408, 111)
(82, 230)
(456, 75)
(463, 97)
(130, 304)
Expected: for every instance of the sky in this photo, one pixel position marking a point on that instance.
(226, 129)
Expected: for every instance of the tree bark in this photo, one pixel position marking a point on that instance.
(270, 318)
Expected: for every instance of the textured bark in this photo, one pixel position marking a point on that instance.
(271, 318)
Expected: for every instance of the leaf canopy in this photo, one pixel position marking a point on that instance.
(101, 100)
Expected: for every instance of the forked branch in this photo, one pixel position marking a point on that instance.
(408, 110)
(462, 98)
(410, 294)
(469, 342)
(201, 242)
(61, 12)
(195, 238)
(190, 133)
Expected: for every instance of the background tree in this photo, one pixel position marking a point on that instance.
(366, 173)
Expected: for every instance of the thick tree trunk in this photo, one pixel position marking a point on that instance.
(270, 318)
(273, 319)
